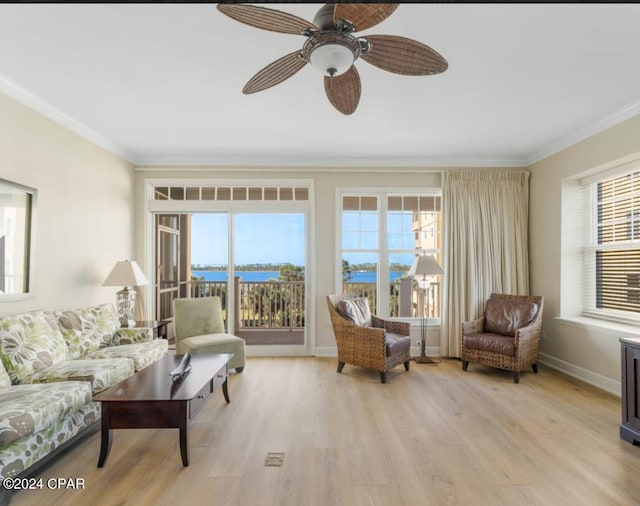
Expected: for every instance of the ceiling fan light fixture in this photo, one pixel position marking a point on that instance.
(332, 59)
(331, 53)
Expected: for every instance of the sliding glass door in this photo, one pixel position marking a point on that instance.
(269, 264)
(247, 244)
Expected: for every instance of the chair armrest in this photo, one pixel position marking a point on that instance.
(529, 333)
(131, 336)
(392, 326)
(356, 335)
(472, 326)
(527, 342)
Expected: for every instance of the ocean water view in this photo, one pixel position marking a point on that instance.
(356, 277)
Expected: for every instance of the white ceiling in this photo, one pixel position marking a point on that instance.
(161, 84)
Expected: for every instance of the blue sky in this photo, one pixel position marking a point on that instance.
(258, 238)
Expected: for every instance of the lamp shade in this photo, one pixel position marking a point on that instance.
(126, 273)
(424, 265)
(332, 59)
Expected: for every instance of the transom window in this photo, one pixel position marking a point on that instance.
(227, 192)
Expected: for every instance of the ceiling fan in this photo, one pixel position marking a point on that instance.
(332, 47)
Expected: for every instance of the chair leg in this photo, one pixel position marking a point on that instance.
(535, 368)
(516, 377)
(465, 364)
(340, 366)
(383, 377)
(406, 365)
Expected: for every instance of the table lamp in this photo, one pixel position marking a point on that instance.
(127, 274)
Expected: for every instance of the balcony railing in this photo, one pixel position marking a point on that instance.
(259, 304)
(272, 304)
(279, 305)
(405, 298)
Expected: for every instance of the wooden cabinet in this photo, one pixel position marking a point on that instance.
(630, 426)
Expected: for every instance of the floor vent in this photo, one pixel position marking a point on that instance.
(274, 459)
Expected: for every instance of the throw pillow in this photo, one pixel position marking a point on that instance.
(356, 310)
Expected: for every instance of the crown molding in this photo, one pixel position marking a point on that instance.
(625, 113)
(34, 102)
(329, 163)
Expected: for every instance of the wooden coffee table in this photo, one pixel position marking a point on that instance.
(151, 400)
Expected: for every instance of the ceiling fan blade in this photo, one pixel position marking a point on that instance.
(363, 16)
(403, 56)
(343, 91)
(274, 73)
(267, 19)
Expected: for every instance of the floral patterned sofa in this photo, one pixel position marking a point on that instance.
(53, 362)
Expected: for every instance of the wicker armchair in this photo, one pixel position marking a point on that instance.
(507, 336)
(377, 344)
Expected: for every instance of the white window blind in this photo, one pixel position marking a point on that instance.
(612, 247)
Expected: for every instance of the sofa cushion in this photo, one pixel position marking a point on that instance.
(355, 310)
(26, 409)
(505, 316)
(492, 343)
(24, 453)
(395, 344)
(30, 342)
(77, 331)
(126, 335)
(106, 321)
(102, 373)
(142, 354)
(87, 329)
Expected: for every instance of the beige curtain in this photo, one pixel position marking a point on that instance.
(485, 243)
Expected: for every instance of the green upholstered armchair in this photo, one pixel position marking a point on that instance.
(199, 329)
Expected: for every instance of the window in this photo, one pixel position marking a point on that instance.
(17, 205)
(360, 253)
(413, 223)
(209, 193)
(612, 249)
(380, 235)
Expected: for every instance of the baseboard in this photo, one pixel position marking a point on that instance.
(593, 378)
(332, 351)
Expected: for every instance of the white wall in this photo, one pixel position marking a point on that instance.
(590, 352)
(85, 211)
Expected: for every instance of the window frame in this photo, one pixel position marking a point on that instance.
(591, 244)
(383, 251)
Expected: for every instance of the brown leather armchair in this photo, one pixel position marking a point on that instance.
(507, 336)
(364, 339)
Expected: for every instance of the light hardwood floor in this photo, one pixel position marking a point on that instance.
(431, 436)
